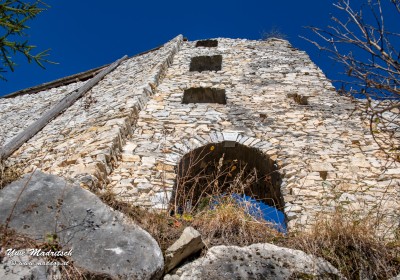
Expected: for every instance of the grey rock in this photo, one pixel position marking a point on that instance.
(102, 240)
(257, 261)
(189, 243)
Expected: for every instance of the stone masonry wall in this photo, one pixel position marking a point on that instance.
(84, 141)
(19, 112)
(308, 142)
(130, 131)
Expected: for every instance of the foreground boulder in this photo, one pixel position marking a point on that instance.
(257, 261)
(103, 242)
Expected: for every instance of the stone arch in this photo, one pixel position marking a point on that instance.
(201, 152)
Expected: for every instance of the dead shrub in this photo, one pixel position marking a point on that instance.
(11, 239)
(351, 246)
(226, 223)
(229, 223)
(208, 173)
(274, 33)
(208, 191)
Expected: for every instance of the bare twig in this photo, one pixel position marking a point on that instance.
(362, 42)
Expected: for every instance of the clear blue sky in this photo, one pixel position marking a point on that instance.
(86, 34)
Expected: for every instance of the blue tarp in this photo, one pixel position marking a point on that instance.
(259, 209)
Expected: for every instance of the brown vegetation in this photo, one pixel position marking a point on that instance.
(8, 175)
(351, 246)
(11, 239)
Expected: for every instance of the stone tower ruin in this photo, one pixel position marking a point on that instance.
(264, 103)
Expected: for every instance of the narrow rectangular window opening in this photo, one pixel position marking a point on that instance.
(206, 63)
(204, 95)
(207, 43)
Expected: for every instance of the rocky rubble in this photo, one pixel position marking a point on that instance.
(103, 244)
(257, 261)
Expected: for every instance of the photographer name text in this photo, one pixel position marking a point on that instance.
(38, 253)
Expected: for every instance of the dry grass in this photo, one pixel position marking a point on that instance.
(205, 191)
(351, 246)
(229, 223)
(11, 239)
(8, 175)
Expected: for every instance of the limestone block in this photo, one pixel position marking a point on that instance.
(189, 243)
(321, 166)
(230, 136)
(148, 161)
(130, 157)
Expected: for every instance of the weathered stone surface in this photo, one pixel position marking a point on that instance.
(313, 142)
(102, 240)
(27, 268)
(22, 111)
(189, 243)
(93, 128)
(322, 166)
(258, 261)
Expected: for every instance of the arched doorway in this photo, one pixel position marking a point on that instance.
(226, 168)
